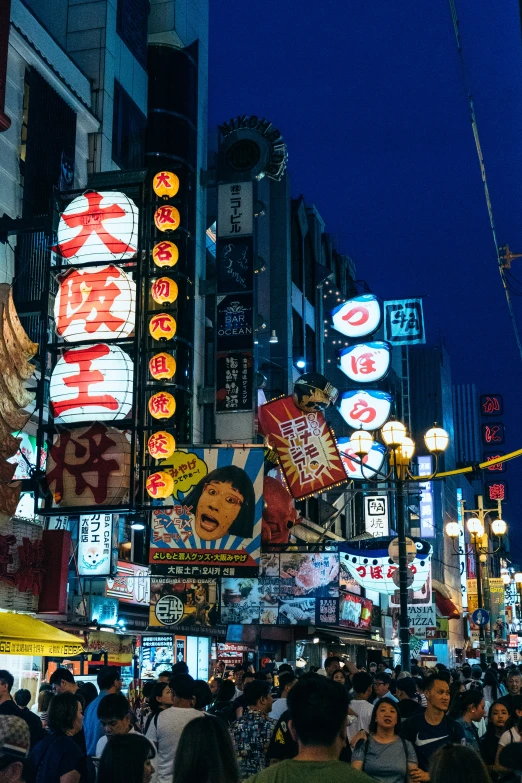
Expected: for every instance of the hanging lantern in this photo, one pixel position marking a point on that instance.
(160, 485)
(167, 218)
(162, 365)
(162, 326)
(164, 289)
(92, 383)
(98, 227)
(98, 303)
(162, 405)
(165, 184)
(161, 445)
(165, 254)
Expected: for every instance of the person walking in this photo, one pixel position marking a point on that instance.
(166, 733)
(381, 686)
(286, 681)
(62, 681)
(127, 758)
(514, 685)
(114, 714)
(223, 705)
(384, 755)
(57, 758)
(470, 711)
(109, 681)
(433, 729)
(513, 734)
(362, 684)
(318, 719)
(407, 695)
(14, 749)
(252, 732)
(36, 730)
(160, 699)
(457, 764)
(8, 706)
(205, 753)
(498, 716)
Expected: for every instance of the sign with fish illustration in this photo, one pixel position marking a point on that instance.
(372, 567)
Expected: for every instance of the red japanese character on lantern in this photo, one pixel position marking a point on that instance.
(95, 303)
(98, 227)
(162, 365)
(161, 445)
(165, 184)
(164, 289)
(165, 254)
(162, 405)
(167, 218)
(366, 409)
(162, 326)
(160, 485)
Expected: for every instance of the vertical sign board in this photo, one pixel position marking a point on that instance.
(462, 551)
(376, 516)
(404, 322)
(493, 436)
(427, 515)
(95, 545)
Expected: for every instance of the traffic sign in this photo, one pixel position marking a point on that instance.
(480, 617)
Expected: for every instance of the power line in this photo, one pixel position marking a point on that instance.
(474, 126)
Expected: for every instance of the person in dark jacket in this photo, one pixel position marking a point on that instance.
(223, 705)
(57, 757)
(406, 693)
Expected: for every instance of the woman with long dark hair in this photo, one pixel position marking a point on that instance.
(205, 753)
(127, 758)
(57, 758)
(498, 716)
(384, 755)
(513, 734)
(223, 503)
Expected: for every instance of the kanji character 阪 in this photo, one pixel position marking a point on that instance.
(167, 216)
(82, 381)
(90, 297)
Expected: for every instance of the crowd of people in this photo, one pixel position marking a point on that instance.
(336, 724)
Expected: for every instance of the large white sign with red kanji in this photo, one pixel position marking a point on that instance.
(98, 227)
(92, 383)
(357, 317)
(365, 362)
(368, 410)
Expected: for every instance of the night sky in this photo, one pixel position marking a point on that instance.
(370, 99)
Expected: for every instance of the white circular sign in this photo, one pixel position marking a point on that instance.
(357, 317)
(366, 409)
(169, 610)
(372, 462)
(365, 362)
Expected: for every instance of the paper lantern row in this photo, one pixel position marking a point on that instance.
(92, 383)
(165, 254)
(161, 445)
(165, 184)
(160, 484)
(95, 303)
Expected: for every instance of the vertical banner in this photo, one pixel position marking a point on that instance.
(376, 516)
(462, 552)
(211, 524)
(235, 209)
(404, 322)
(235, 264)
(234, 382)
(95, 545)
(427, 511)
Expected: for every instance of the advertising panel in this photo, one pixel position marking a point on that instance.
(235, 209)
(404, 322)
(376, 518)
(95, 545)
(369, 564)
(426, 505)
(305, 445)
(211, 524)
(354, 611)
(235, 322)
(175, 603)
(235, 265)
(157, 655)
(131, 585)
(234, 381)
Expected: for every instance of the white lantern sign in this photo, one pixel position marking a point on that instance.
(92, 383)
(98, 303)
(373, 569)
(95, 545)
(357, 317)
(98, 227)
(366, 409)
(365, 362)
(371, 462)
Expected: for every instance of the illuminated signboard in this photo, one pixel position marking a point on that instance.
(371, 462)
(95, 545)
(376, 519)
(496, 490)
(368, 410)
(370, 565)
(357, 317)
(492, 433)
(462, 552)
(404, 322)
(491, 405)
(426, 505)
(499, 467)
(365, 362)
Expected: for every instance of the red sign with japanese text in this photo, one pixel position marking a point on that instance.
(305, 445)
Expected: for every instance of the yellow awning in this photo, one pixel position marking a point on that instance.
(21, 634)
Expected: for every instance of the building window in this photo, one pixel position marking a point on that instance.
(128, 130)
(131, 26)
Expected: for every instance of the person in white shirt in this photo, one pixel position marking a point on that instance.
(165, 734)
(114, 715)
(362, 684)
(286, 681)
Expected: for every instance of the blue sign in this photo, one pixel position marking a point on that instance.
(480, 617)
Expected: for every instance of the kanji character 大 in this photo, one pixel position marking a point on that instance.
(165, 184)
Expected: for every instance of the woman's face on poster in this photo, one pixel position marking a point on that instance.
(217, 510)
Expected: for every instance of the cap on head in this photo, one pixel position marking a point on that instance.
(14, 737)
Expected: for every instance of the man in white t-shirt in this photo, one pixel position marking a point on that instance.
(360, 706)
(165, 734)
(114, 715)
(286, 680)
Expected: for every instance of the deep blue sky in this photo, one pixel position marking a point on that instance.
(370, 100)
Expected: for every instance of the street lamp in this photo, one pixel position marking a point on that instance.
(401, 449)
(476, 525)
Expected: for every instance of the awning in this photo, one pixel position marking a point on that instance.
(446, 607)
(21, 634)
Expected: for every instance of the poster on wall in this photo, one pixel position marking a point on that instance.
(354, 611)
(157, 655)
(211, 525)
(235, 322)
(305, 446)
(234, 265)
(234, 382)
(95, 545)
(175, 603)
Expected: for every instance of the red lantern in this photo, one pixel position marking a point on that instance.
(161, 445)
(165, 254)
(160, 485)
(162, 405)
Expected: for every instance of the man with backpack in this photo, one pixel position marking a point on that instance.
(433, 729)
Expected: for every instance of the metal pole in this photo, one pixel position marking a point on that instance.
(482, 635)
(404, 621)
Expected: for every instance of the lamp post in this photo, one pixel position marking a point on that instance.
(400, 449)
(476, 525)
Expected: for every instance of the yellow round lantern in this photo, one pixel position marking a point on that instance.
(165, 184)
(164, 289)
(162, 405)
(160, 485)
(162, 365)
(161, 445)
(165, 254)
(162, 326)
(167, 218)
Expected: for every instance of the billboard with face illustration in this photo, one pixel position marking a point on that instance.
(211, 524)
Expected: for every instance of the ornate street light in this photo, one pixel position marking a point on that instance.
(499, 527)
(453, 529)
(393, 433)
(436, 440)
(361, 442)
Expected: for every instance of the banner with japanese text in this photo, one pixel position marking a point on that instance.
(211, 524)
(404, 322)
(182, 603)
(305, 445)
